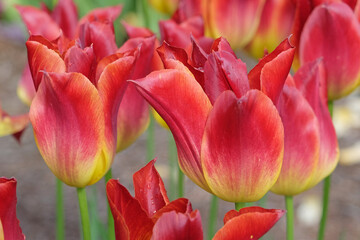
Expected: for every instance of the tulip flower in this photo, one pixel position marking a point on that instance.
(9, 224)
(62, 21)
(12, 125)
(311, 150)
(275, 24)
(150, 215)
(237, 21)
(74, 117)
(338, 46)
(164, 6)
(228, 132)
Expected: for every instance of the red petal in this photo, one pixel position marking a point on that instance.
(101, 36)
(106, 14)
(180, 205)
(43, 57)
(112, 85)
(221, 44)
(242, 148)
(149, 189)
(309, 80)
(26, 90)
(9, 224)
(224, 72)
(270, 73)
(13, 125)
(39, 22)
(302, 143)
(248, 223)
(66, 16)
(187, 9)
(131, 222)
(81, 61)
(178, 226)
(338, 45)
(181, 102)
(134, 32)
(68, 120)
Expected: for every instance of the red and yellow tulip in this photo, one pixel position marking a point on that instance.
(150, 215)
(338, 46)
(9, 224)
(228, 132)
(311, 149)
(12, 125)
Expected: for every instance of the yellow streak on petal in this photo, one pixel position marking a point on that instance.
(2, 237)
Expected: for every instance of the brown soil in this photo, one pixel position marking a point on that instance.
(36, 183)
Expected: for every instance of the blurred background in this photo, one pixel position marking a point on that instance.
(36, 183)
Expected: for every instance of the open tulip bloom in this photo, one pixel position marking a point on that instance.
(150, 215)
(229, 135)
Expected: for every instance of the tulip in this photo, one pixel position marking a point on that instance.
(164, 6)
(62, 21)
(74, 117)
(12, 125)
(311, 150)
(235, 20)
(275, 24)
(150, 215)
(9, 224)
(228, 132)
(338, 46)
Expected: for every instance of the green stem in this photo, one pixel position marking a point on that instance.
(145, 12)
(172, 166)
(263, 201)
(239, 205)
(60, 220)
(326, 192)
(180, 183)
(326, 195)
(110, 219)
(289, 202)
(150, 141)
(84, 213)
(212, 216)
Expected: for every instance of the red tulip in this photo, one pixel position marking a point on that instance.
(9, 224)
(150, 214)
(229, 137)
(62, 21)
(332, 32)
(12, 125)
(235, 20)
(248, 223)
(311, 150)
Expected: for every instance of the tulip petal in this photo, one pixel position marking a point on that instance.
(248, 223)
(221, 44)
(106, 14)
(242, 148)
(149, 189)
(14, 125)
(68, 121)
(224, 72)
(270, 73)
(178, 226)
(134, 32)
(180, 205)
(43, 57)
(310, 81)
(131, 221)
(184, 108)
(81, 61)
(222, 18)
(112, 85)
(302, 143)
(26, 90)
(332, 31)
(33, 16)
(66, 16)
(9, 224)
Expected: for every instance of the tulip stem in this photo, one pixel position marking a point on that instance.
(84, 213)
(150, 140)
(239, 205)
(212, 216)
(326, 191)
(173, 165)
(60, 220)
(110, 219)
(289, 202)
